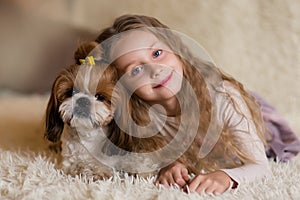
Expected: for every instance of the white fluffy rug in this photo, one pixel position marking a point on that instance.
(29, 175)
(27, 169)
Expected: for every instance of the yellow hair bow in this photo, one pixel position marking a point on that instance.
(88, 60)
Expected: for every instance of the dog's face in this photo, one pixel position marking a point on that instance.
(81, 98)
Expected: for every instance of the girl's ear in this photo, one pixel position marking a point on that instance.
(54, 123)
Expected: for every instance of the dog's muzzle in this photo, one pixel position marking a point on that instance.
(82, 107)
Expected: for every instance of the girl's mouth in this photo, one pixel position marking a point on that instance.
(164, 81)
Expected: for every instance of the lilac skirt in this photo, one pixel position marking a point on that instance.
(283, 143)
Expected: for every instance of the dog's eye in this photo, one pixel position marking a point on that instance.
(74, 91)
(71, 92)
(100, 97)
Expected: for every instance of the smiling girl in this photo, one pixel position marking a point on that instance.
(156, 67)
(153, 65)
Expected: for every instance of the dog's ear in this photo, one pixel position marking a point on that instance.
(54, 124)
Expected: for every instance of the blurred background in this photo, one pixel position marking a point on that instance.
(257, 42)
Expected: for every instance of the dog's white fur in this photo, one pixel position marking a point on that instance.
(81, 136)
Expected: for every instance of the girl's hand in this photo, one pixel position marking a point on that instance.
(176, 173)
(214, 183)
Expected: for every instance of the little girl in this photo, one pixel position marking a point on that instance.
(156, 67)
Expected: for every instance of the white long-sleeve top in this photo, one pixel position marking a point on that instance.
(242, 127)
(238, 119)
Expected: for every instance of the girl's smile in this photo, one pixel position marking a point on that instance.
(164, 81)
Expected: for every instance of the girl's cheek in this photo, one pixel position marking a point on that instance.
(135, 84)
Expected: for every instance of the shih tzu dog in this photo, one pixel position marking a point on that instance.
(79, 110)
(80, 116)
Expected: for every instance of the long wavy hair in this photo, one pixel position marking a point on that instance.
(228, 147)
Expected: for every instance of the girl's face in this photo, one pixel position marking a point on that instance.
(148, 67)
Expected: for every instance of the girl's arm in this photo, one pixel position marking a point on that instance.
(233, 111)
(236, 114)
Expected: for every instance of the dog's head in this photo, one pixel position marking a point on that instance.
(81, 97)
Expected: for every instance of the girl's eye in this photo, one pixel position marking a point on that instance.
(156, 53)
(136, 70)
(100, 97)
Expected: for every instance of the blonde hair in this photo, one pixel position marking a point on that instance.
(227, 145)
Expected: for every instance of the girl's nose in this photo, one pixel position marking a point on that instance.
(156, 70)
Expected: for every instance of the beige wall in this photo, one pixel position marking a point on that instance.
(258, 42)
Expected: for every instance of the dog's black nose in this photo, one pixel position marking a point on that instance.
(83, 102)
(82, 107)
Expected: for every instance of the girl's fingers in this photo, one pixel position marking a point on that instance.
(165, 180)
(185, 174)
(218, 191)
(171, 180)
(179, 179)
(211, 190)
(195, 183)
(215, 191)
(208, 187)
(165, 183)
(205, 187)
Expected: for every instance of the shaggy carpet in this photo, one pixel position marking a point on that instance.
(29, 175)
(28, 170)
